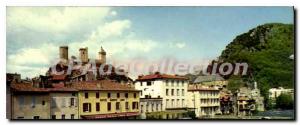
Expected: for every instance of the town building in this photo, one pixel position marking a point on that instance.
(171, 88)
(226, 102)
(63, 102)
(275, 92)
(150, 107)
(211, 80)
(106, 99)
(29, 102)
(204, 100)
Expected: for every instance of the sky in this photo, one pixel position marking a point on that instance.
(191, 34)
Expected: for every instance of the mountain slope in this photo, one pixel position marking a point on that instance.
(266, 49)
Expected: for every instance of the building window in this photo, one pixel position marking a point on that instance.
(182, 103)
(118, 95)
(63, 102)
(172, 82)
(172, 92)
(53, 102)
(97, 106)
(63, 116)
(126, 95)
(86, 107)
(167, 82)
(97, 95)
(173, 102)
(126, 105)
(53, 117)
(33, 102)
(134, 95)
(182, 83)
(177, 83)
(142, 108)
(133, 105)
(72, 102)
(182, 92)
(117, 105)
(86, 95)
(108, 95)
(167, 92)
(73, 94)
(36, 117)
(21, 101)
(72, 116)
(43, 102)
(141, 83)
(149, 83)
(167, 103)
(178, 93)
(108, 106)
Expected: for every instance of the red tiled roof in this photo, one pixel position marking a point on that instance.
(160, 76)
(59, 77)
(26, 87)
(60, 87)
(101, 85)
(201, 88)
(111, 115)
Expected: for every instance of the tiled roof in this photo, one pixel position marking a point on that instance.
(208, 78)
(160, 76)
(59, 77)
(84, 85)
(26, 87)
(60, 87)
(201, 88)
(102, 85)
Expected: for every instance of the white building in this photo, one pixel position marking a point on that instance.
(204, 100)
(171, 88)
(275, 92)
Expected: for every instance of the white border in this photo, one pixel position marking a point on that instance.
(4, 3)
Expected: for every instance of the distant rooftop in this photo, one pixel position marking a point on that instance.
(208, 78)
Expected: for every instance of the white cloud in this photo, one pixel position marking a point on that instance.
(54, 19)
(113, 13)
(180, 45)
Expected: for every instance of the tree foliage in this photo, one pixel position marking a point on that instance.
(284, 101)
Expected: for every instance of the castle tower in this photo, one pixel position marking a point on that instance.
(83, 54)
(63, 52)
(102, 56)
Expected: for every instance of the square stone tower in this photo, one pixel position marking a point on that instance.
(83, 54)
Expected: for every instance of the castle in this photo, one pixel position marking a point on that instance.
(83, 55)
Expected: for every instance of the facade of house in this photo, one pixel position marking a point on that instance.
(204, 100)
(63, 102)
(29, 103)
(106, 99)
(171, 88)
(150, 105)
(275, 92)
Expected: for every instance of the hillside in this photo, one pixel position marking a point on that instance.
(266, 49)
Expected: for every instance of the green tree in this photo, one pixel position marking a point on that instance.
(285, 101)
